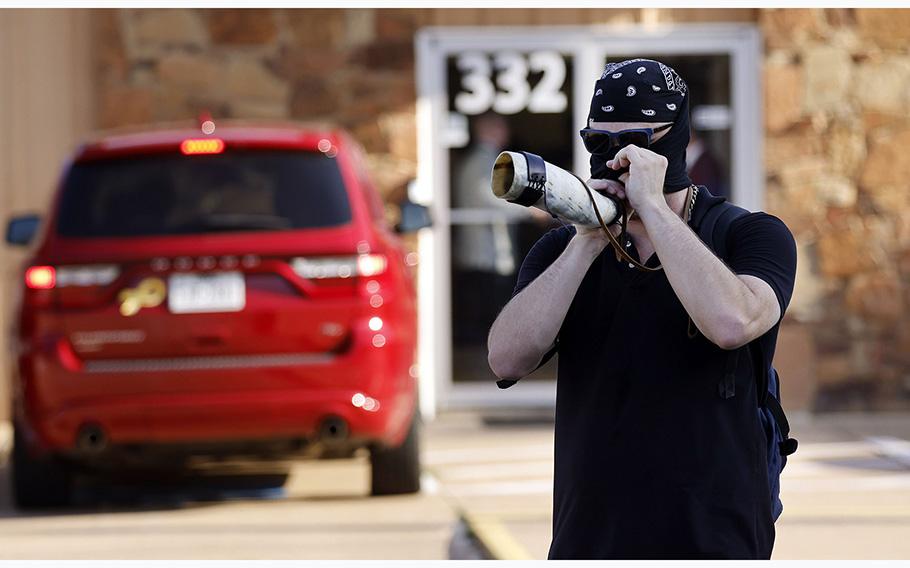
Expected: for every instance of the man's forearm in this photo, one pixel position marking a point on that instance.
(720, 304)
(527, 326)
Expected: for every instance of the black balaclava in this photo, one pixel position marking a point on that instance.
(644, 90)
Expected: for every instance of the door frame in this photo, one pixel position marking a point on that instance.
(589, 46)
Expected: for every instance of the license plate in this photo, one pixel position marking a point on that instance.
(197, 293)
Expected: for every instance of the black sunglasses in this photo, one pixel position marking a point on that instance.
(602, 141)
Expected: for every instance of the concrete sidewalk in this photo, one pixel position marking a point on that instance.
(846, 492)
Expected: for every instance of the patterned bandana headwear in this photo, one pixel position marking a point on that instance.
(644, 90)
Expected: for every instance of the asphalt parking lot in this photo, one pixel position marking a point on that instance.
(323, 511)
(487, 492)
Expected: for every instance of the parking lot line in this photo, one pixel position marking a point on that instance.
(495, 538)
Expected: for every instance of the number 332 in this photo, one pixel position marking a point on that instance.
(515, 94)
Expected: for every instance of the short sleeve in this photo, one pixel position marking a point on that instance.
(761, 245)
(546, 250)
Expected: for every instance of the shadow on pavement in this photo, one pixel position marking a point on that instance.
(131, 493)
(519, 418)
(464, 545)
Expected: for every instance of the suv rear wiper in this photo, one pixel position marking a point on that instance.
(234, 222)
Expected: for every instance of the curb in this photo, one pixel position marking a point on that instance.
(495, 540)
(486, 534)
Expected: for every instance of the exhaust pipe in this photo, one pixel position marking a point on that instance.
(91, 439)
(333, 430)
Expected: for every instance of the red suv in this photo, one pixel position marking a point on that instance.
(237, 293)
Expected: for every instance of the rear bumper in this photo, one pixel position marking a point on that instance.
(225, 417)
(277, 398)
(219, 398)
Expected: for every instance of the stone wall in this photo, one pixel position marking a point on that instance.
(353, 68)
(837, 86)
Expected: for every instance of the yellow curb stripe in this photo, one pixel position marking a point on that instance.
(495, 537)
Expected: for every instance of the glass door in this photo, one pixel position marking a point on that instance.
(482, 90)
(497, 100)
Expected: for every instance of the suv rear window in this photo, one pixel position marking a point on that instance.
(167, 194)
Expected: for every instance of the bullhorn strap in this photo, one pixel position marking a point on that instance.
(537, 180)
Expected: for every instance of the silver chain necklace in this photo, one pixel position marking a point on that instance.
(692, 203)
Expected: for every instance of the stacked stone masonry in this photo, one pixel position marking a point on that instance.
(836, 94)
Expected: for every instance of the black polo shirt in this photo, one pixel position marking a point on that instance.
(651, 462)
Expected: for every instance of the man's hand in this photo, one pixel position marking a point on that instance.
(645, 180)
(595, 234)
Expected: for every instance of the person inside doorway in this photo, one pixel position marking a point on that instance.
(484, 250)
(703, 167)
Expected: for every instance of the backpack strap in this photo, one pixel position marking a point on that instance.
(788, 445)
(713, 227)
(770, 398)
(760, 370)
(727, 387)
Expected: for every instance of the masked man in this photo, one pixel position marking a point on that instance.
(651, 462)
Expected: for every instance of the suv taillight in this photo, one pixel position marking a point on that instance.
(46, 277)
(69, 284)
(40, 277)
(319, 268)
